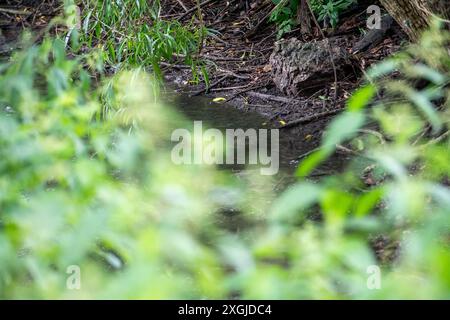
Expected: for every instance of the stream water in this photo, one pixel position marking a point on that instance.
(293, 143)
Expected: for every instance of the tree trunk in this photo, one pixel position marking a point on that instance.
(304, 18)
(415, 15)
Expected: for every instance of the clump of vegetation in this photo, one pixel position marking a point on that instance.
(81, 187)
(330, 10)
(284, 15)
(395, 191)
(132, 33)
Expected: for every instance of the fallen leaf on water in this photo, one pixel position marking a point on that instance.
(219, 99)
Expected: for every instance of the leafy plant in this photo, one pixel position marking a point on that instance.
(131, 33)
(284, 15)
(330, 10)
(84, 188)
(395, 189)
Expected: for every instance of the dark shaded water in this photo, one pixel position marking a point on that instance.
(293, 143)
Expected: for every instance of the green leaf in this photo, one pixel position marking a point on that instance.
(383, 68)
(426, 107)
(311, 162)
(336, 205)
(294, 200)
(367, 202)
(424, 71)
(361, 98)
(343, 128)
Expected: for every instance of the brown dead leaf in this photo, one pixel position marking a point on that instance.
(267, 68)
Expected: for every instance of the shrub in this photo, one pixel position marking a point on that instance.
(285, 13)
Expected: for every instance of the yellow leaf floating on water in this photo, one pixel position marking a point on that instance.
(282, 123)
(219, 100)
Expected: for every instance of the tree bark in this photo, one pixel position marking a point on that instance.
(415, 15)
(304, 18)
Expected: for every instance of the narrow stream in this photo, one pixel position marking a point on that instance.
(293, 143)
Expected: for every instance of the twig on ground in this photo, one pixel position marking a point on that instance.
(183, 5)
(244, 91)
(312, 118)
(176, 66)
(232, 88)
(258, 105)
(13, 11)
(231, 73)
(207, 88)
(436, 140)
(204, 3)
(272, 97)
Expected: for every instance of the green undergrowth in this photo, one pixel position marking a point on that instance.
(91, 205)
(328, 12)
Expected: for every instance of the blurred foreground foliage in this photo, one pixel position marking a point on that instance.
(86, 180)
(81, 186)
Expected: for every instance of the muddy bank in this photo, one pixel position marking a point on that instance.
(247, 65)
(19, 15)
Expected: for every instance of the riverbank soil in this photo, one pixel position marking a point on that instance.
(253, 70)
(247, 64)
(298, 82)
